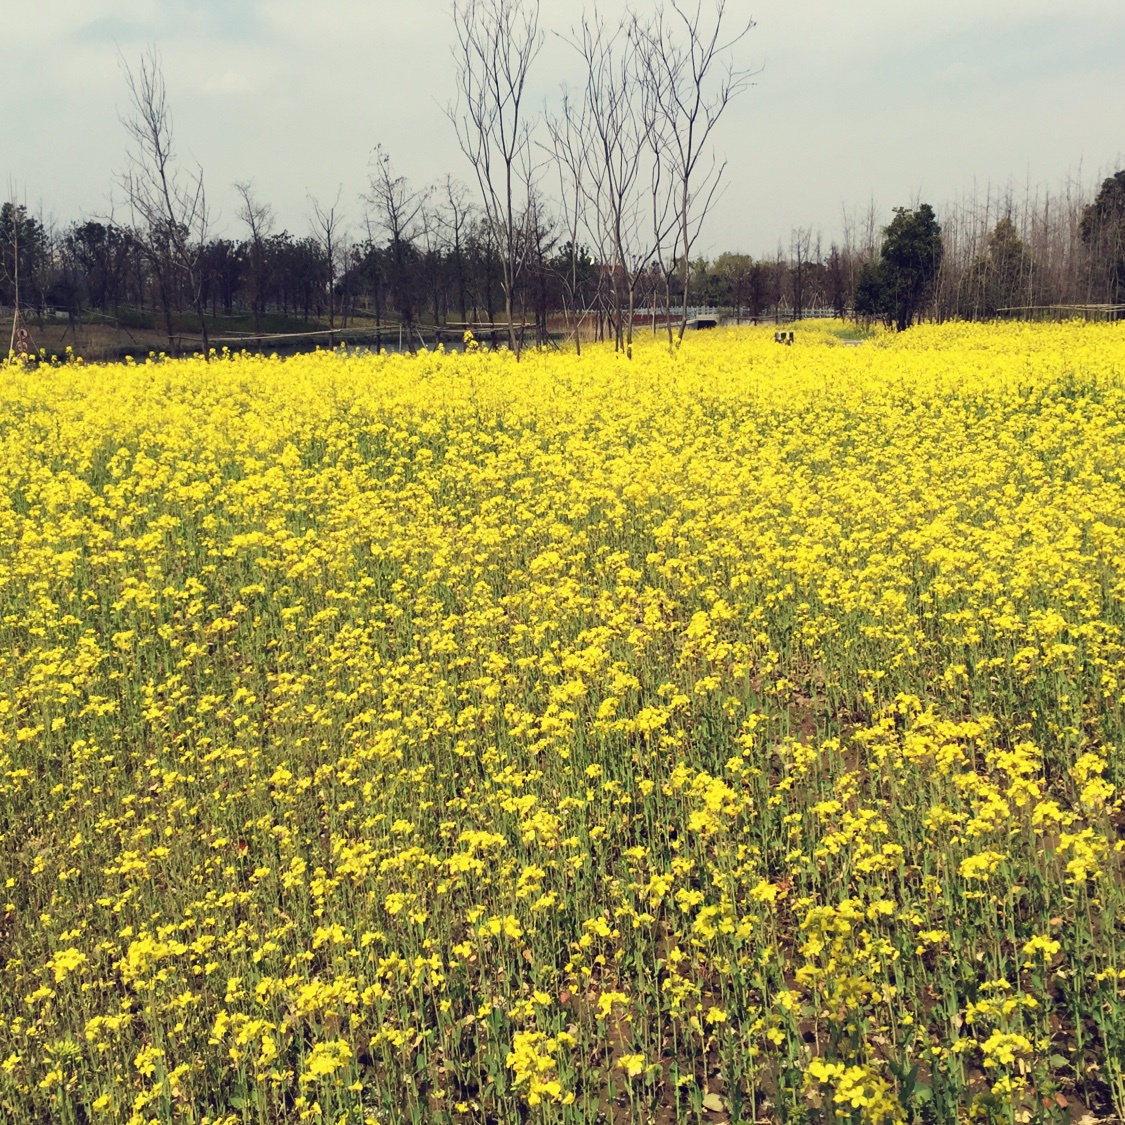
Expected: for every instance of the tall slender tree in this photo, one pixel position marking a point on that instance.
(496, 43)
(399, 213)
(169, 205)
(328, 229)
(258, 218)
(690, 58)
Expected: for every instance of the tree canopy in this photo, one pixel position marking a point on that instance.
(1103, 230)
(909, 262)
(897, 285)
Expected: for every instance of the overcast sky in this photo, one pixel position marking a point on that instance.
(856, 100)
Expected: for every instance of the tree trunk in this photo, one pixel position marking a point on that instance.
(203, 330)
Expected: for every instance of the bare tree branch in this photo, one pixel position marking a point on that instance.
(258, 217)
(399, 211)
(169, 207)
(692, 68)
(327, 230)
(496, 43)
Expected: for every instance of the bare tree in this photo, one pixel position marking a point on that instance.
(619, 160)
(800, 245)
(13, 212)
(168, 205)
(258, 217)
(433, 224)
(836, 278)
(542, 232)
(497, 41)
(399, 211)
(570, 134)
(457, 222)
(697, 79)
(662, 181)
(328, 230)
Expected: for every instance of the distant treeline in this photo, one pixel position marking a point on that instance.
(585, 212)
(984, 257)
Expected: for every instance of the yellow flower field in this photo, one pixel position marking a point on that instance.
(730, 736)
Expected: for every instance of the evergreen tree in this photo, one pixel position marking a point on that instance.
(1103, 230)
(909, 262)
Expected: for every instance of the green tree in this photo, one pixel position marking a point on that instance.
(102, 255)
(909, 262)
(1001, 278)
(1103, 230)
(870, 292)
(24, 254)
(728, 280)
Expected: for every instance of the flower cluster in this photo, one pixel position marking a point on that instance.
(735, 734)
